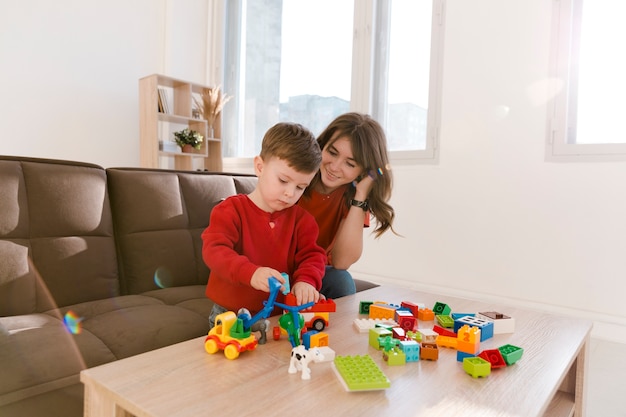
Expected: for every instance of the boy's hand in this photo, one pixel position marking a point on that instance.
(260, 278)
(305, 293)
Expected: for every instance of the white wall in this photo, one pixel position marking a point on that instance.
(69, 72)
(491, 220)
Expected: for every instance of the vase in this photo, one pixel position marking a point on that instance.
(187, 149)
(210, 131)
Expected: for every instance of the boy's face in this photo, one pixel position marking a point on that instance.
(279, 186)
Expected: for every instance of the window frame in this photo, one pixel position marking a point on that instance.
(563, 89)
(364, 71)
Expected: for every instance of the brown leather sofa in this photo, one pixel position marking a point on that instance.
(97, 265)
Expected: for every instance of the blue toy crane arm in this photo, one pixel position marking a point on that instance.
(268, 305)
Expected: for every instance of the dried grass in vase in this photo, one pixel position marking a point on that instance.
(211, 104)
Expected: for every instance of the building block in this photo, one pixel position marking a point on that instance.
(494, 357)
(414, 335)
(364, 325)
(329, 354)
(441, 309)
(412, 307)
(313, 338)
(360, 373)
(511, 354)
(501, 323)
(476, 367)
(406, 320)
(411, 349)
(382, 311)
(425, 314)
(428, 335)
(375, 334)
(443, 332)
(447, 341)
(457, 316)
(445, 320)
(460, 356)
(468, 339)
(429, 351)
(485, 326)
(394, 357)
(398, 333)
(364, 307)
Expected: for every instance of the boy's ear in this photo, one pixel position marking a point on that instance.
(258, 165)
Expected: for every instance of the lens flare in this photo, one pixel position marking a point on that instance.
(72, 322)
(162, 277)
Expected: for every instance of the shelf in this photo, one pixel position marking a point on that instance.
(166, 105)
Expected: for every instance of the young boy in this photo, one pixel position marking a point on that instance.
(253, 237)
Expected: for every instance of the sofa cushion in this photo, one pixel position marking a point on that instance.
(56, 235)
(159, 216)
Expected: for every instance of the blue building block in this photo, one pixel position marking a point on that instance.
(411, 349)
(462, 355)
(485, 326)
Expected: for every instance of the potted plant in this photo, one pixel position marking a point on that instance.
(188, 139)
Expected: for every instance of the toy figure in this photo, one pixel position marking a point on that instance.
(300, 359)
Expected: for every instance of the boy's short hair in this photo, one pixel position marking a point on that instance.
(294, 144)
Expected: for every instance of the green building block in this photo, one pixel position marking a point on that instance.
(441, 309)
(360, 373)
(395, 357)
(445, 321)
(364, 307)
(511, 354)
(476, 366)
(375, 334)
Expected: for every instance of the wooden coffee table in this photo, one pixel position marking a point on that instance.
(183, 380)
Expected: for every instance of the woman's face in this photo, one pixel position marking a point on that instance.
(338, 165)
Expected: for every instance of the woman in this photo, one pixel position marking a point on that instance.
(353, 181)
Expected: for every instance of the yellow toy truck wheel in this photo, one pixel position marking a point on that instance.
(211, 346)
(231, 352)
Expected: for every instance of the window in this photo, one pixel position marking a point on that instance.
(587, 67)
(308, 61)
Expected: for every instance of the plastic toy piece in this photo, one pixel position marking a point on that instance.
(382, 311)
(412, 307)
(441, 309)
(445, 320)
(314, 338)
(425, 314)
(411, 350)
(375, 334)
(301, 358)
(468, 339)
(447, 341)
(360, 373)
(398, 333)
(494, 357)
(405, 319)
(501, 323)
(276, 332)
(443, 332)
(457, 316)
(511, 354)
(364, 325)
(460, 356)
(428, 335)
(429, 351)
(476, 367)
(485, 326)
(317, 316)
(394, 357)
(329, 354)
(220, 336)
(364, 307)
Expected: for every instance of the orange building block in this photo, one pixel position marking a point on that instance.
(468, 339)
(426, 314)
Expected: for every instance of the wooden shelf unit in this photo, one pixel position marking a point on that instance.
(155, 126)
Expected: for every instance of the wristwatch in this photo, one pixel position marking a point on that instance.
(361, 204)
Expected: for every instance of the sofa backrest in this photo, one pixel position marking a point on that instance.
(159, 216)
(56, 235)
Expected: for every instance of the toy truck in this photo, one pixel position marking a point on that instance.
(229, 335)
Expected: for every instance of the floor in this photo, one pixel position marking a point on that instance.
(606, 393)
